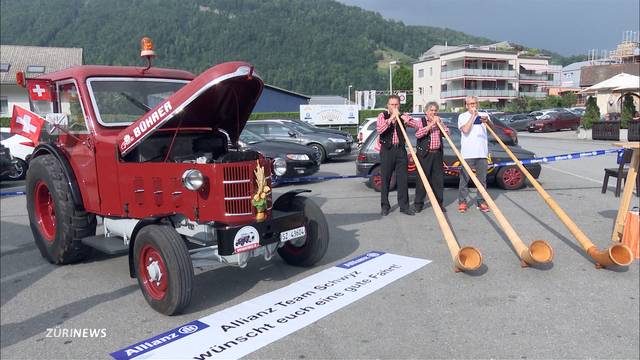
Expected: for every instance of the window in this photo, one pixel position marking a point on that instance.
(420, 90)
(421, 73)
(256, 128)
(419, 108)
(35, 69)
(278, 130)
(69, 104)
(4, 106)
(430, 70)
(4, 67)
(430, 90)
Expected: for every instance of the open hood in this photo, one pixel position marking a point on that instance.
(220, 98)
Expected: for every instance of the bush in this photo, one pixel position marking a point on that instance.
(628, 110)
(5, 121)
(591, 114)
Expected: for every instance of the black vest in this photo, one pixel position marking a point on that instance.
(423, 143)
(386, 138)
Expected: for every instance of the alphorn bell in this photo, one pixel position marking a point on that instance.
(617, 254)
(538, 252)
(467, 258)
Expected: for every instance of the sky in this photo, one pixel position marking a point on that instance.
(568, 27)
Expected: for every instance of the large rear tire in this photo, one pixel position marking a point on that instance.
(163, 268)
(310, 250)
(56, 224)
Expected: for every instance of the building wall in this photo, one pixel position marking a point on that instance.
(277, 101)
(429, 83)
(14, 95)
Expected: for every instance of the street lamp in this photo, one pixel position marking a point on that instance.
(391, 77)
(349, 94)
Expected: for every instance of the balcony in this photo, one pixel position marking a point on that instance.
(449, 74)
(534, 94)
(534, 77)
(479, 93)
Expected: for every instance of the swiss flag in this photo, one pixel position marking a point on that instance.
(39, 90)
(26, 123)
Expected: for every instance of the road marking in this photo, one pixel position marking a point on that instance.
(574, 174)
(23, 273)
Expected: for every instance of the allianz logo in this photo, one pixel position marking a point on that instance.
(148, 345)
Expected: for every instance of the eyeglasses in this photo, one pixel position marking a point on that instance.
(472, 103)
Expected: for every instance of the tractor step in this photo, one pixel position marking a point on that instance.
(107, 245)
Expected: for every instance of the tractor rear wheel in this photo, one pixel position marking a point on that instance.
(163, 268)
(56, 224)
(310, 249)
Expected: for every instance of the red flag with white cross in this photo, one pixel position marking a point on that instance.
(26, 123)
(39, 90)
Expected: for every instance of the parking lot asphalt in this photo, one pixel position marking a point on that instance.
(565, 310)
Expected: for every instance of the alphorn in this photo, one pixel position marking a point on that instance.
(467, 258)
(617, 254)
(538, 252)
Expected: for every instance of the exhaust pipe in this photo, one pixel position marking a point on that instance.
(540, 252)
(616, 254)
(466, 259)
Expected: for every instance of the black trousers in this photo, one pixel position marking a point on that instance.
(394, 159)
(431, 163)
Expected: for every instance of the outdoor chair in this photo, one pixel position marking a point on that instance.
(620, 173)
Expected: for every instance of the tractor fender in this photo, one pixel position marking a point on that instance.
(283, 202)
(134, 234)
(47, 148)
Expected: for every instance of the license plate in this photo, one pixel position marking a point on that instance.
(293, 234)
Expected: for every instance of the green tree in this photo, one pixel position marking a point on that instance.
(628, 110)
(591, 114)
(403, 80)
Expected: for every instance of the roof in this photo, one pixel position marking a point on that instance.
(86, 71)
(591, 75)
(52, 58)
(327, 100)
(289, 92)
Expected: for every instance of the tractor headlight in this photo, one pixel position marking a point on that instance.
(192, 179)
(279, 166)
(297, 157)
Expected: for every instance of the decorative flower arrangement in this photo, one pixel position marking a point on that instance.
(259, 200)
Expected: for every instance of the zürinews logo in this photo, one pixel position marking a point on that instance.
(155, 342)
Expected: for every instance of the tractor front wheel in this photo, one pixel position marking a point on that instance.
(310, 249)
(163, 268)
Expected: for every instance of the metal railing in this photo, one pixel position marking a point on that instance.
(535, 94)
(479, 93)
(478, 72)
(540, 77)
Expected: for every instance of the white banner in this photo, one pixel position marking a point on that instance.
(329, 114)
(246, 327)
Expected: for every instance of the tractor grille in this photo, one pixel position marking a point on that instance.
(238, 189)
(240, 186)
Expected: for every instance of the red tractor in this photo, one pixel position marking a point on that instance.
(153, 153)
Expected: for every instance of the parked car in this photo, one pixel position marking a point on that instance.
(519, 122)
(555, 121)
(301, 160)
(366, 129)
(578, 110)
(325, 145)
(312, 127)
(506, 177)
(21, 149)
(7, 164)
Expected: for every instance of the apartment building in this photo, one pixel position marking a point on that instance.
(495, 73)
